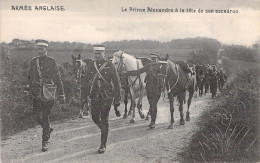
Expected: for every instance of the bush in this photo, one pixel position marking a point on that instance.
(229, 132)
(16, 110)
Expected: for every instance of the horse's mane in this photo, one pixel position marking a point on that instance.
(129, 60)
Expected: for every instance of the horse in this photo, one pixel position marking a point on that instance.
(178, 81)
(133, 85)
(79, 69)
(200, 79)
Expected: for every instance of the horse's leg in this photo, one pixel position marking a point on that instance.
(125, 102)
(191, 92)
(133, 108)
(81, 111)
(133, 105)
(181, 99)
(205, 89)
(139, 106)
(130, 108)
(170, 96)
(117, 112)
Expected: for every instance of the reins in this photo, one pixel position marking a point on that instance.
(178, 75)
(120, 69)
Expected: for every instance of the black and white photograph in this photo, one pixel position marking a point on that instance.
(129, 81)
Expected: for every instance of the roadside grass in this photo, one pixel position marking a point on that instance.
(229, 132)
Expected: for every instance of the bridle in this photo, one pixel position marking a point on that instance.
(123, 77)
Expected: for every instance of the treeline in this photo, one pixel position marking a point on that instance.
(238, 52)
(201, 50)
(188, 43)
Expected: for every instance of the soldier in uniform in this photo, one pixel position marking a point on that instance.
(102, 84)
(213, 81)
(222, 78)
(49, 73)
(152, 84)
(206, 79)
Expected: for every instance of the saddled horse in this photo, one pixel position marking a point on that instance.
(178, 81)
(80, 68)
(135, 84)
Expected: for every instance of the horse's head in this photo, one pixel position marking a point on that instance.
(117, 60)
(77, 64)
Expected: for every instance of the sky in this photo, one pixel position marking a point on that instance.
(97, 21)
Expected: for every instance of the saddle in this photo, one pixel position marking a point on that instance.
(184, 66)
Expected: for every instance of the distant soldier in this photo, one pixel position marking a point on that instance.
(206, 79)
(213, 81)
(102, 84)
(44, 70)
(222, 78)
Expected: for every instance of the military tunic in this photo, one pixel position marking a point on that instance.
(153, 85)
(49, 72)
(101, 93)
(213, 82)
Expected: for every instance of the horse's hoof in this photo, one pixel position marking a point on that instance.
(80, 115)
(187, 118)
(118, 114)
(125, 116)
(129, 113)
(170, 126)
(132, 121)
(142, 116)
(182, 122)
(147, 118)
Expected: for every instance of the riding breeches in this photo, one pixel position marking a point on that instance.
(153, 98)
(42, 113)
(100, 111)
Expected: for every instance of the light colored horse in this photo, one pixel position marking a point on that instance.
(126, 62)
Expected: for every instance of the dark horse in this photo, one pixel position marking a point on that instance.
(79, 69)
(179, 80)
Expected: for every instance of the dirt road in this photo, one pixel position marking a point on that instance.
(77, 140)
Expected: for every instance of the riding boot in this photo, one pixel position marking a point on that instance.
(152, 124)
(45, 145)
(102, 148)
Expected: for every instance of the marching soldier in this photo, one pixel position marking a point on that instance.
(222, 78)
(206, 79)
(102, 84)
(44, 70)
(213, 81)
(151, 80)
